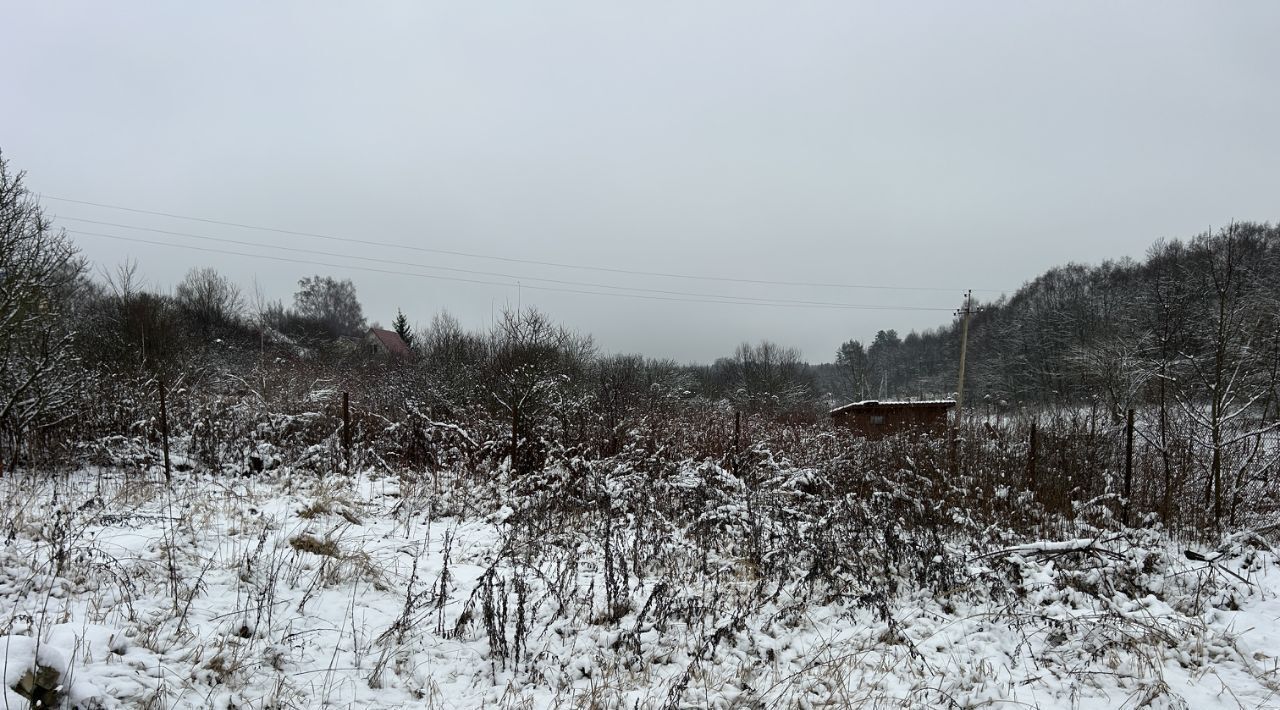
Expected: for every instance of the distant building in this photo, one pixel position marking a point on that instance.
(387, 342)
(874, 418)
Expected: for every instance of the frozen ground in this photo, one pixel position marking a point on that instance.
(294, 592)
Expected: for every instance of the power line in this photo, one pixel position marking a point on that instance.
(517, 278)
(473, 255)
(722, 300)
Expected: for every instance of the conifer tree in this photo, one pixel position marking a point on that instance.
(401, 326)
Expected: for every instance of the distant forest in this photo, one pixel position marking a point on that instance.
(1193, 318)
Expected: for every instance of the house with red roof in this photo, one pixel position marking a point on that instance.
(388, 343)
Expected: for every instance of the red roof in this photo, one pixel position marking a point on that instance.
(907, 404)
(391, 342)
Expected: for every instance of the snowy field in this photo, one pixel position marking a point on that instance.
(378, 592)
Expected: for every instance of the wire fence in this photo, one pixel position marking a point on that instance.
(1052, 465)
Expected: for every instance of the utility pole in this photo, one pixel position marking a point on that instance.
(964, 312)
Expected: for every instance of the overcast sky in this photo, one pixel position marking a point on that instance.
(922, 145)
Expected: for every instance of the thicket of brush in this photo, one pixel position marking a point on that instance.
(695, 534)
(546, 424)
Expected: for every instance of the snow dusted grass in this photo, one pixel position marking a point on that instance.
(292, 591)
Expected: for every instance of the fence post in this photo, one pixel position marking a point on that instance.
(737, 441)
(1031, 458)
(346, 429)
(164, 433)
(1128, 466)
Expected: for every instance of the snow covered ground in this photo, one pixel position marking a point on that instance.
(377, 591)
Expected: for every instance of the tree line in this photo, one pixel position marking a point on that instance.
(1193, 316)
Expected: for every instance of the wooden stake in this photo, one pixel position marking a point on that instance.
(1031, 458)
(1128, 466)
(737, 440)
(164, 432)
(346, 429)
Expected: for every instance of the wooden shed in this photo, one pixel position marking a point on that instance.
(874, 418)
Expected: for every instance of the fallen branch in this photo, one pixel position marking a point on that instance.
(1047, 549)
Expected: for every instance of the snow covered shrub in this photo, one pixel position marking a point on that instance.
(418, 442)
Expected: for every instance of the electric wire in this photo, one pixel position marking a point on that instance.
(713, 300)
(474, 255)
(517, 278)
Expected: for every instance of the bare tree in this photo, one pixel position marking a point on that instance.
(625, 389)
(767, 377)
(330, 303)
(1227, 368)
(124, 282)
(137, 330)
(531, 363)
(851, 359)
(445, 340)
(38, 271)
(884, 360)
(208, 299)
(454, 358)
(1163, 319)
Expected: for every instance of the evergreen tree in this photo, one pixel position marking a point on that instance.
(401, 326)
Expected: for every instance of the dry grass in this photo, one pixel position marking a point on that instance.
(316, 546)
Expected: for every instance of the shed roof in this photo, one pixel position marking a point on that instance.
(391, 341)
(896, 404)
